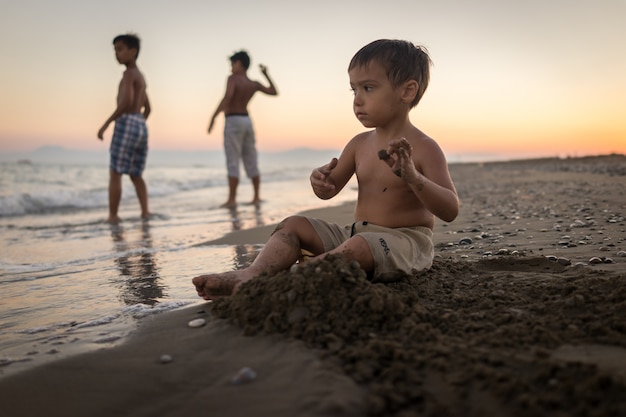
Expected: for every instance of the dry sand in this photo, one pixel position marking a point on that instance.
(522, 314)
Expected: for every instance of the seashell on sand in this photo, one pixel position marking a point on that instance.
(197, 323)
(165, 358)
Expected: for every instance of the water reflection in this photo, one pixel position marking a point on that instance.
(245, 254)
(139, 274)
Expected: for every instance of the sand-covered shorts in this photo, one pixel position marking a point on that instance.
(240, 143)
(129, 145)
(404, 249)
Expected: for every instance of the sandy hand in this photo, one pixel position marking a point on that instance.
(319, 178)
(398, 157)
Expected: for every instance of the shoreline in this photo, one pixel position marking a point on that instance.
(513, 308)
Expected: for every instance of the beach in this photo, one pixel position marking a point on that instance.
(523, 313)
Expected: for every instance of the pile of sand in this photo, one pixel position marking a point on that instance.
(486, 338)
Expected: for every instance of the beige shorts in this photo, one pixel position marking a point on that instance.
(240, 145)
(399, 250)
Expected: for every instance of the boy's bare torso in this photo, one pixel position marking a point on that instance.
(134, 83)
(243, 90)
(384, 198)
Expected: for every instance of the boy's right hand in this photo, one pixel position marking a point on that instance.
(102, 129)
(101, 132)
(319, 179)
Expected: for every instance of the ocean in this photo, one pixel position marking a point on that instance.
(70, 282)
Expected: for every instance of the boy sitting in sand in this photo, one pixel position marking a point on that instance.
(403, 181)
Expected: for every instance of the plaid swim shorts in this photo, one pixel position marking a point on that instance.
(129, 145)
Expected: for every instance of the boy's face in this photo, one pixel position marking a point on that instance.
(123, 53)
(375, 99)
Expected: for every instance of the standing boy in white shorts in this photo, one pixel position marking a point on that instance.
(239, 140)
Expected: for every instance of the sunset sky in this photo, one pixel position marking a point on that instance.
(531, 78)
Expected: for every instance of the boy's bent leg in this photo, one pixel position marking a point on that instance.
(281, 251)
(142, 194)
(356, 249)
(115, 194)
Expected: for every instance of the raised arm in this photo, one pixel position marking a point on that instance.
(271, 90)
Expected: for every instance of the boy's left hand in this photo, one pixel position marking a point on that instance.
(400, 160)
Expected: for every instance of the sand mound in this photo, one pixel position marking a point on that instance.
(505, 336)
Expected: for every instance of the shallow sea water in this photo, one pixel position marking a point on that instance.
(69, 282)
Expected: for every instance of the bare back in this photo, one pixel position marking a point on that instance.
(239, 92)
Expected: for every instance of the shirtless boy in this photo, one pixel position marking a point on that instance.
(129, 145)
(239, 140)
(402, 174)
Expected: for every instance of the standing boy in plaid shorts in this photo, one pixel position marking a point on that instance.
(129, 145)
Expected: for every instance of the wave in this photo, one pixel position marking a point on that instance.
(55, 189)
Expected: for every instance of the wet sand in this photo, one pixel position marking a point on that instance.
(522, 314)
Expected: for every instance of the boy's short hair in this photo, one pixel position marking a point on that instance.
(241, 56)
(402, 60)
(131, 40)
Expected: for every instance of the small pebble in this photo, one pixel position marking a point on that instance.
(166, 358)
(197, 323)
(564, 261)
(595, 260)
(244, 375)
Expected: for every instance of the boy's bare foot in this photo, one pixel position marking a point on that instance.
(229, 204)
(214, 286)
(113, 220)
